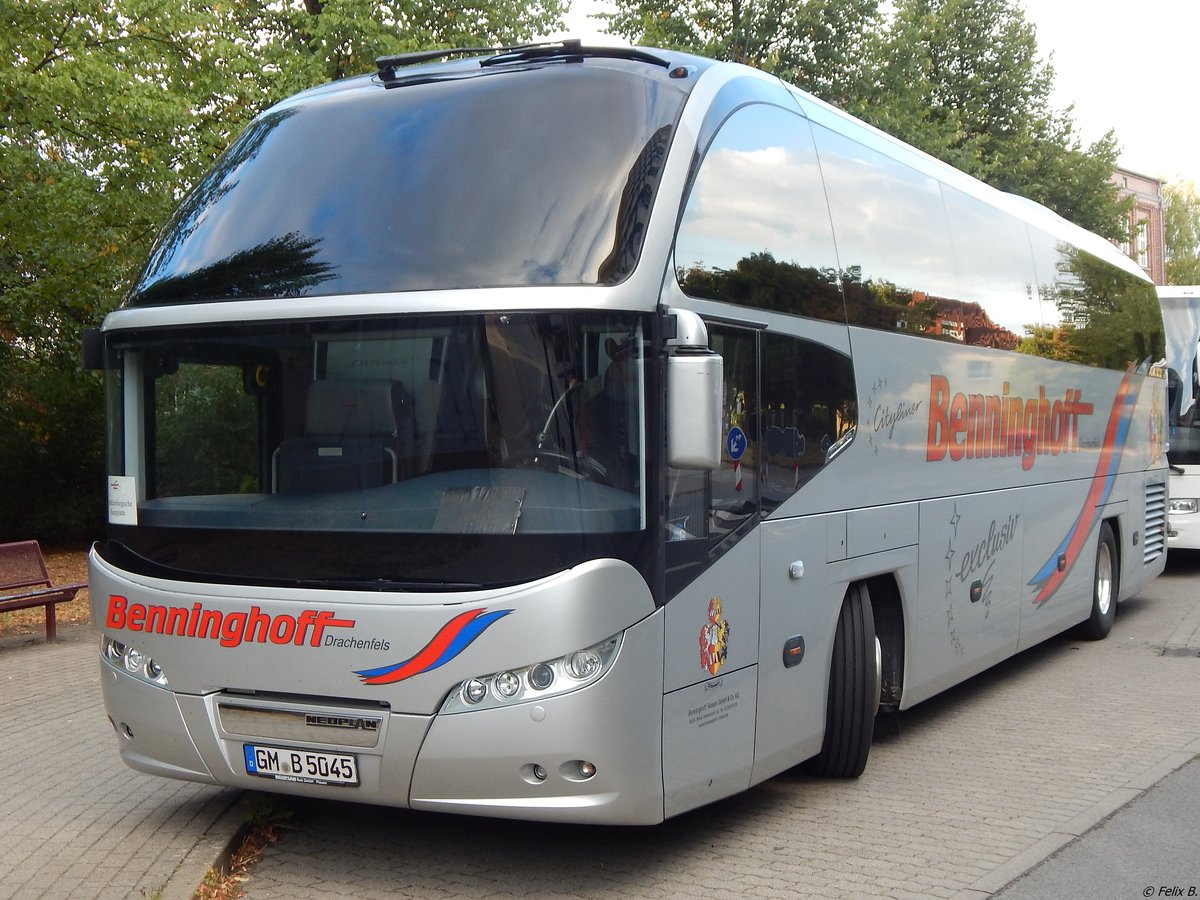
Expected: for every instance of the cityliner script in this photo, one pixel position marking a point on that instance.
(975, 426)
(230, 628)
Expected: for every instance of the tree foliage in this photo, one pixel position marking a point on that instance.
(960, 79)
(1181, 231)
(817, 44)
(109, 112)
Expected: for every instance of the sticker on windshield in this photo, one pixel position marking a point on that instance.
(122, 500)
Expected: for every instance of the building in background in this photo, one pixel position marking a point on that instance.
(1145, 242)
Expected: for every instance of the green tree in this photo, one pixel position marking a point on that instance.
(309, 42)
(816, 44)
(962, 80)
(105, 109)
(1181, 229)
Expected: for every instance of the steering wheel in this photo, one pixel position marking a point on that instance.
(553, 460)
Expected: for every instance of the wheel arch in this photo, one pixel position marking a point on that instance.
(1114, 523)
(888, 609)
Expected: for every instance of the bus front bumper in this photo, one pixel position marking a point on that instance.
(592, 756)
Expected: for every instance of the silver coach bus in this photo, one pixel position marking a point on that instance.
(588, 434)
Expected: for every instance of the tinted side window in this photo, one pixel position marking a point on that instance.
(1095, 313)
(808, 405)
(998, 287)
(709, 512)
(787, 402)
(892, 240)
(756, 228)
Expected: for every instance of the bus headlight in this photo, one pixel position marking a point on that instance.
(133, 661)
(550, 678)
(1183, 505)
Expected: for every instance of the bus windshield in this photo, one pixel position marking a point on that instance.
(1185, 418)
(1181, 316)
(430, 449)
(523, 179)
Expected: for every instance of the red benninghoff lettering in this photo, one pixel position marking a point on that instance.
(230, 628)
(988, 425)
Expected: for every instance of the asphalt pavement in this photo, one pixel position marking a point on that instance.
(77, 823)
(1156, 833)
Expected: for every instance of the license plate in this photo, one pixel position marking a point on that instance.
(301, 766)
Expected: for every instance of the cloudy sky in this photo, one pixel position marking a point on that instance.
(1139, 76)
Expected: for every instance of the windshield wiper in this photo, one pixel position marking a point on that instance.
(569, 49)
(572, 49)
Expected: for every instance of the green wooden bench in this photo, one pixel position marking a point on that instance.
(25, 583)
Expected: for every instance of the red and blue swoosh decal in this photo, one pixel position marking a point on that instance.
(1049, 577)
(452, 639)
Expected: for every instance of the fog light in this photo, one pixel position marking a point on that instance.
(1183, 505)
(586, 770)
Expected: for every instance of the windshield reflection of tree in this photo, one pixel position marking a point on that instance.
(283, 266)
(1110, 318)
(157, 285)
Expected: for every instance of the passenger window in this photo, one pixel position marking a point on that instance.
(893, 241)
(1101, 315)
(808, 407)
(756, 229)
(709, 512)
(777, 437)
(995, 273)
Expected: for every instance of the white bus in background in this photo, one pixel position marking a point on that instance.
(589, 434)
(1181, 317)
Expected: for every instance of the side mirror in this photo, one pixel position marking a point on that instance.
(694, 377)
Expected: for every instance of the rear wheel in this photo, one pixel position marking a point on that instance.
(853, 691)
(1105, 586)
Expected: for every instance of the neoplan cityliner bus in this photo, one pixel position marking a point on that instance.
(1181, 316)
(590, 434)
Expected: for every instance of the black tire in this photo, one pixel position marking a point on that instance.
(1106, 584)
(853, 691)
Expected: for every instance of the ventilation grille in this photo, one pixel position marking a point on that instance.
(1156, 522)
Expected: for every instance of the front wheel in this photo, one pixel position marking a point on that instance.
(853, 691)
(1105, 586)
